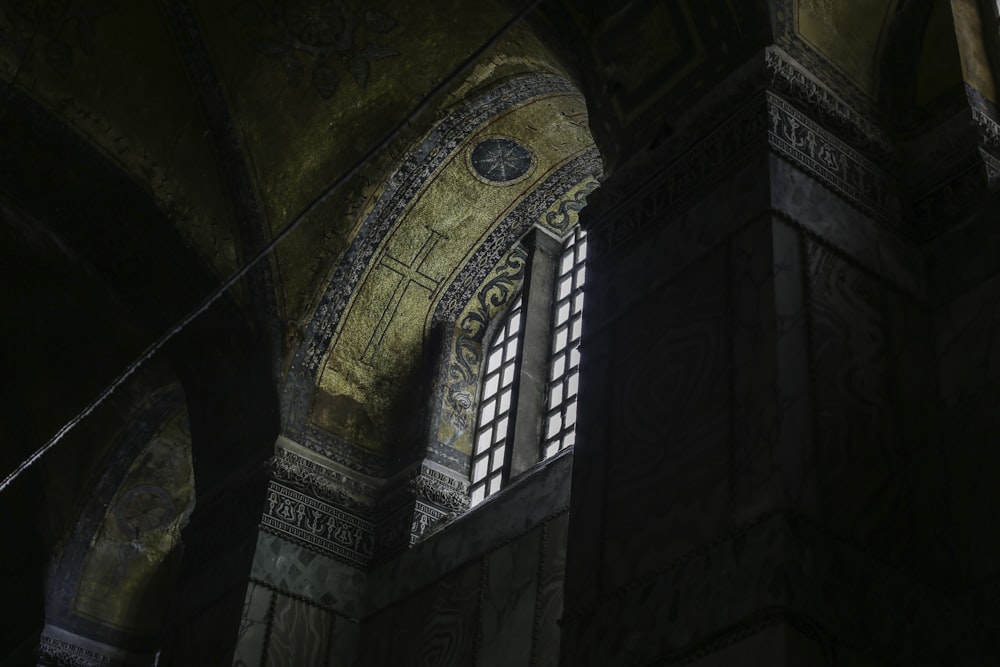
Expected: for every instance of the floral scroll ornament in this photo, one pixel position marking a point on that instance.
(325, 32)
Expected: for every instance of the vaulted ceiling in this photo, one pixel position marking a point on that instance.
(149, 149)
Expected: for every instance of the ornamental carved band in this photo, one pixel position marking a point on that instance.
(318, 525)
(441, 490)
(63, 654)
(319, 481)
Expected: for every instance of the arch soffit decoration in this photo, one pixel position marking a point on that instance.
(424, 206)
(127, 531)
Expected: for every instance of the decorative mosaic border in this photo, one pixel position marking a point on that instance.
(583, 167)
(318, 525)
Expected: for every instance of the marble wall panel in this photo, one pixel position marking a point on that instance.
(344, 642)
(550, 587)
(253, 627)
(965, 257)
(875, 245)
(300, 634)
(771, 642)
(681, 237)
(777, 562)
(507, 609)
(592, 448)
(968, 341)
(303, 572)
(756, 472)
(972, 431)
(796, 446)
(374, 649)
(437, 625)
(914, 394)
(668, 474)
(862, 487)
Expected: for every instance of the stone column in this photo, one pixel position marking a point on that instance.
(757, 413)
(536, 349)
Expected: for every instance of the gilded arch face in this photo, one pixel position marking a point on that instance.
(443, 220)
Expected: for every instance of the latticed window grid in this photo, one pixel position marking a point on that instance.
(496, 407)
(564, 364)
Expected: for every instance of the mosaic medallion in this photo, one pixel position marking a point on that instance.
(500, 160)
(143, 508)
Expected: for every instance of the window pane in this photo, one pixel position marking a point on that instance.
(508, 374)
(565, 287)
(562, 314)
(492, 424)
(505, 402)
(515, 319)
(489, 408)
(496, 358)
(572, 383)
(561, 339)
(484, 441)
(568, 330)
(555, 425)
(480, 468)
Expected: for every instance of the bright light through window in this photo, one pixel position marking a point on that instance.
(495, 408)
(494, 426)
(564, 367)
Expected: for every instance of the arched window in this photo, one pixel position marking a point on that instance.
(503, 398)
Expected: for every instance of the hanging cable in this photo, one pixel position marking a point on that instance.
(387, 139)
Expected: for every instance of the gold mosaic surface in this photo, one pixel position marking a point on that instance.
(381, 335)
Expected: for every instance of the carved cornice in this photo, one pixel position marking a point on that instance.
(809, 146)
(787, 76)
(322, 482)
(442, 490)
